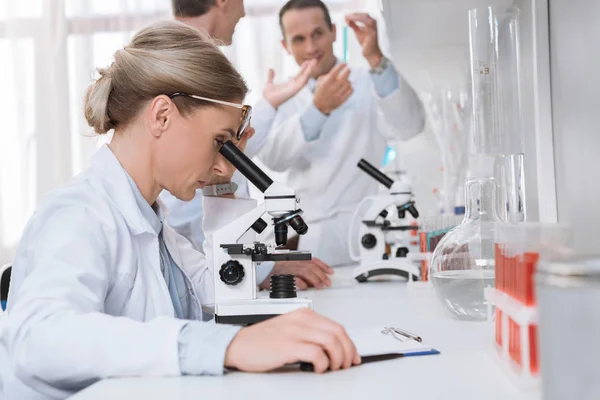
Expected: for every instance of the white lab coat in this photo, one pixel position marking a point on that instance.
(323, 172)
(112, 304)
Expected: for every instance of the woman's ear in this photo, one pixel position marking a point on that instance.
(161, 113)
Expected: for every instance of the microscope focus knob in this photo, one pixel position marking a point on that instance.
(232, 272)
(369, 241)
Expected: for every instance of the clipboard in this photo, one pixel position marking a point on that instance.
(379, 343)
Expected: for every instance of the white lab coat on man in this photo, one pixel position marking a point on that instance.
(88, 299)
(323, 171)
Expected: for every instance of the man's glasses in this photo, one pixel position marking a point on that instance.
(246, 110)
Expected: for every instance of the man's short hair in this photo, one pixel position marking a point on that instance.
(191, 8)
(301, 5)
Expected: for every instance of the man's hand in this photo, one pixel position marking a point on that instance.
(277, 94)
(313, 273)
(241, 144)
(365, 29)
(333, 89)
(301, 335)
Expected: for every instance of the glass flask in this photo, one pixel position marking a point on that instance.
(462, 265)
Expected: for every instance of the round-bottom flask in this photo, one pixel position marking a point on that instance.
(462, 264)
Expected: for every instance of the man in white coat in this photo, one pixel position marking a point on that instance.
(219, 18)
(341, 116)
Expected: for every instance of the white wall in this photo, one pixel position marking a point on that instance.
(430, 46)
(575, 66)
(429, 43)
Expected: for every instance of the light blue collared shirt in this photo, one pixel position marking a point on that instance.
(196, 342)
(312, 120)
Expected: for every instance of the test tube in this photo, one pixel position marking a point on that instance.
(345, 42)
(499, 257)
(519, 272)
(498, 327)
(534, 363)
(539, 240)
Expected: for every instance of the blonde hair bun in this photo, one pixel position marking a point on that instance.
(163, 58)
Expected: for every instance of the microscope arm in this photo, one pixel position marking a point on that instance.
(232, 232)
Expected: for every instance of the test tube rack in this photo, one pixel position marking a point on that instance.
(518, 250)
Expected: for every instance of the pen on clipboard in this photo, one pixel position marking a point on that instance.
(387, 330)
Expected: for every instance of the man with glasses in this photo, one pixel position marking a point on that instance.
(341, 116)
(218, 18)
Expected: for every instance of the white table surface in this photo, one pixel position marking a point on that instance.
(468, 367)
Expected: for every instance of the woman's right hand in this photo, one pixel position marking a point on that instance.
(298, 336)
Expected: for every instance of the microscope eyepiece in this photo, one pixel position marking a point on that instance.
(245, 165)
(375, 173)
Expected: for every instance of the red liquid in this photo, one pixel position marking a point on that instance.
(519, 279)
(518, 345)
(530, 265)
(499, 327)
(424, 264)
(533, 350)
(514, 341)
(510, 266)
(511, 339)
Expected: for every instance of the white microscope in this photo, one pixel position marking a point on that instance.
(383, 246)
(236, 253)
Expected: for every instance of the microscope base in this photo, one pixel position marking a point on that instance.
(397, 267)
(246, 312)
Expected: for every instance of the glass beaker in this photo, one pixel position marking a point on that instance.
(462, 265)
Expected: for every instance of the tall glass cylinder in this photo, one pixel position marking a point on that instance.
(496, 101)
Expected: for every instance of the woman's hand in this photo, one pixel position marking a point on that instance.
(298, 336)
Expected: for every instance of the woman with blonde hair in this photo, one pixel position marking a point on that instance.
(100, 287)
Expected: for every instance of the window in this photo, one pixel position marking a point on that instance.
(17, 152)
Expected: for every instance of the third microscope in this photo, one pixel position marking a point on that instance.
(384, 246)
